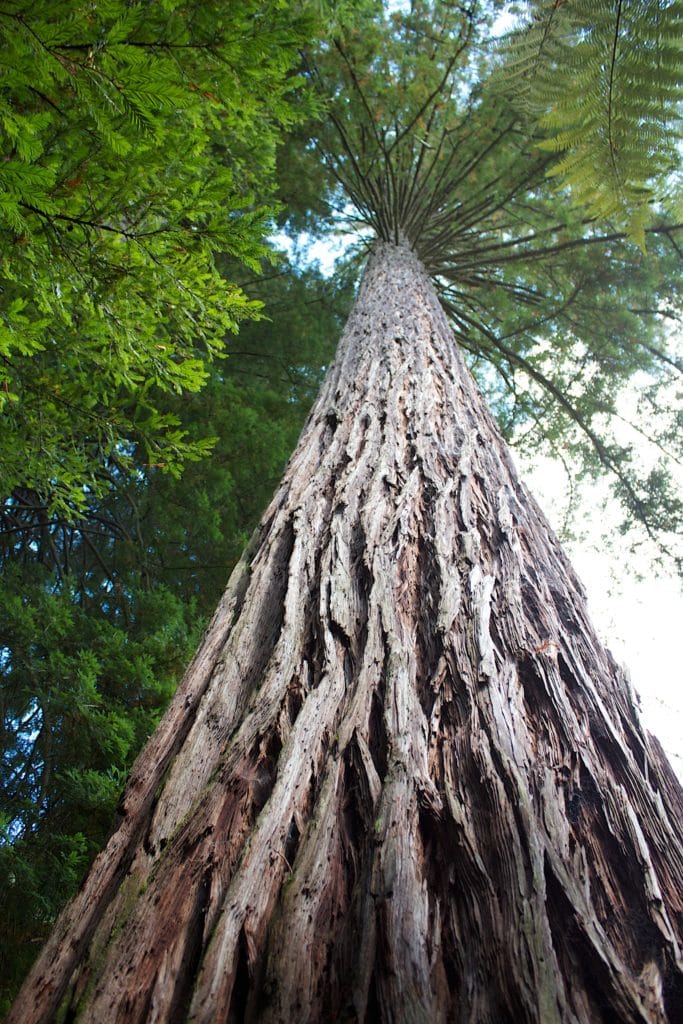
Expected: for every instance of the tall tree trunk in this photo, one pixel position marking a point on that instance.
(401, 781)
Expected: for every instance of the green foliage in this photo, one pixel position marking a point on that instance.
(603, 79)
(80, 694)
(139, 141)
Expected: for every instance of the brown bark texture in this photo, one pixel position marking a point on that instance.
(402, 781)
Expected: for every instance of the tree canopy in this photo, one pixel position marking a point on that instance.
(559, 307)
(139, 141)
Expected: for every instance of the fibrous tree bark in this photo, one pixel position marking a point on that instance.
(402, 780)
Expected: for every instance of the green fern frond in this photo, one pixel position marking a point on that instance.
(603, 80)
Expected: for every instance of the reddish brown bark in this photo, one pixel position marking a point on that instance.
(402, 780)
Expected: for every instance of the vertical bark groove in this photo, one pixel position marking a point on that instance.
(402, 781)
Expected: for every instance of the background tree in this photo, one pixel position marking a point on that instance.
(400, 745)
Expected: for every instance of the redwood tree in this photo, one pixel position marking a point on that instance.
(402, 780)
